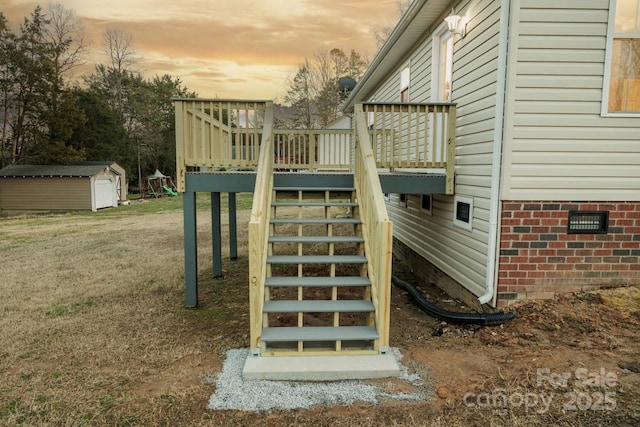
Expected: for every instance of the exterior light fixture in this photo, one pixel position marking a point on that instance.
(456, 24)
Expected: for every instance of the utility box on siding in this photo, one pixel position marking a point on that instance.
(55, 187)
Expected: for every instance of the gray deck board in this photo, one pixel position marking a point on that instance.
(319, 333)
(316, 239)
(316, 259)
(311, 281)
(315, 221)
(318, 306)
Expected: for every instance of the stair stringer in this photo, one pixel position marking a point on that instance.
(259, 231)
(380, 236)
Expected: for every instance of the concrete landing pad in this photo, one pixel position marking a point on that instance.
(320, 368)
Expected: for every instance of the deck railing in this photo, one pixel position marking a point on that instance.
(220, 134)
(259, 229)
(377, 229)
(313, 149)
(413, 136)
(213, 133)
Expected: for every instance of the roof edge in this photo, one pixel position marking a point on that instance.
(393, 38)
(371, 78)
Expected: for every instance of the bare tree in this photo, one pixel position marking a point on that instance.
(314, 93)
(119, 48)
(66, 34)
(381, 34)
(301, 95)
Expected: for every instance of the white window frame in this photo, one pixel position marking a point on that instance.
(464, 199)
(607, 66)
(405, 82)
(441, 35)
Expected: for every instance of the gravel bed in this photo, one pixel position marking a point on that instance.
(232, 392)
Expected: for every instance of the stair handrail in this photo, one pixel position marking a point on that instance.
(377, 229)
(216, 134)
(259, 228)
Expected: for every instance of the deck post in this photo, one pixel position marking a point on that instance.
(190, 249)
(233, 228)
(216, 234)
(450, 167)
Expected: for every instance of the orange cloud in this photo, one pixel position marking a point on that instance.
(230, 49)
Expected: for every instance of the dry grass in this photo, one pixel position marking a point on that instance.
(91, 318)
(94, 332)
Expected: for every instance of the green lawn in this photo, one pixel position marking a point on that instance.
(171, 204)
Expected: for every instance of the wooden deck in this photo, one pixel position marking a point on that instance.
(231, 146)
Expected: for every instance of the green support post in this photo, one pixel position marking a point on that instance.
(233, 227)
(190, 250)
(216, 234)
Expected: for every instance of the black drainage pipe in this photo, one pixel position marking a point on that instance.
(484, 319)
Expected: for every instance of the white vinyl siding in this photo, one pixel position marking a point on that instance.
(461, 254)
(557, 145)
(421, 74)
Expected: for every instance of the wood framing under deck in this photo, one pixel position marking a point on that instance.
(244, 182)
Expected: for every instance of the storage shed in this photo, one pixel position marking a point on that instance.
(121, 178)
(54, 187)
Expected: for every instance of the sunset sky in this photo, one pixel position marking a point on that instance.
(227, 48)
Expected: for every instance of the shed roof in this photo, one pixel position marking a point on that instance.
(94, 163)
(51, 170)
(114, 166)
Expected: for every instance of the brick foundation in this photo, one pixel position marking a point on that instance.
(538, 258)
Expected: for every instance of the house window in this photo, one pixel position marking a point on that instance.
(403, 200)
(404, 95)
(442, 65)
(426, 202)
(463, 212)
(405, 79)
(622, 83)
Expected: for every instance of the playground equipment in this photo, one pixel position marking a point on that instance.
(160, 185)
(169, 191)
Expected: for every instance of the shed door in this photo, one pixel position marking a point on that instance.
(105, 191)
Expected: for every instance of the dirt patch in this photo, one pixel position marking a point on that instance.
(94, 332)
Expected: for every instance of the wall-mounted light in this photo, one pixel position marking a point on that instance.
(457, 24)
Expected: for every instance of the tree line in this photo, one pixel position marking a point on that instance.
(114, 113)
(314, 93)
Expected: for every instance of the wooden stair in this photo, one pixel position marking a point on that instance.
(317, 293)
(315, 308)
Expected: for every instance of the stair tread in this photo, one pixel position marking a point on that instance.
(316, 239)
(318, 333)
(315, 221)
(316, 259)
(313, 204)
(314, 189)
(318, 306)
(318, 281)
